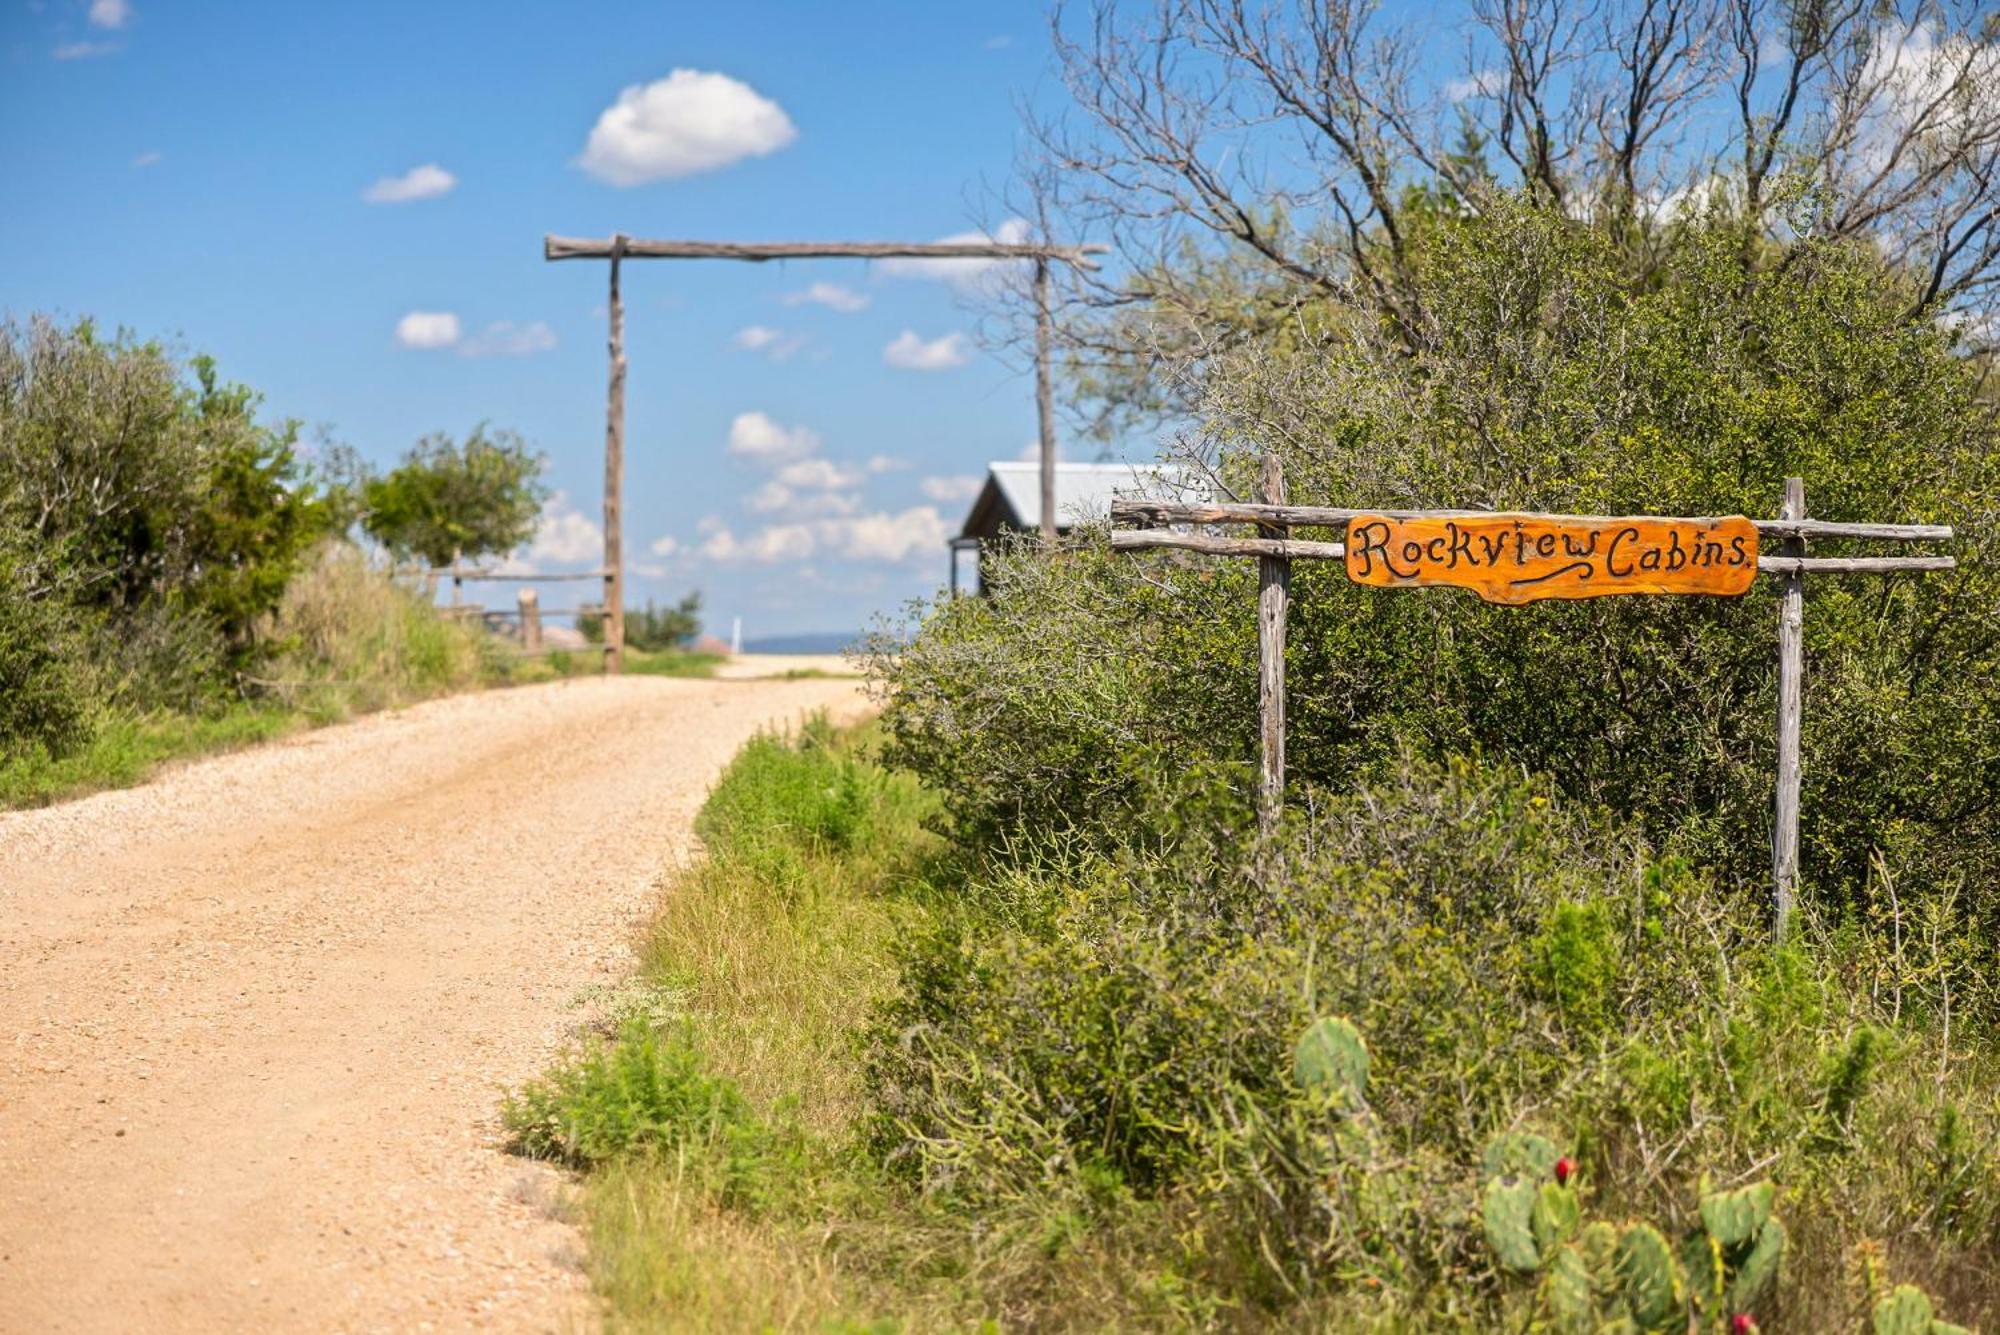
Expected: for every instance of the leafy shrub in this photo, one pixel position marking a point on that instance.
(346, 637)
(450, 499)
(148, 490)
(788, 798)
(644, 1092)
(1514, 963)
(1542, 376)
(652, 627)
(47, 698)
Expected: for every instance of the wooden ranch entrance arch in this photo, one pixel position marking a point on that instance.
(621, 247)
(1522, 558)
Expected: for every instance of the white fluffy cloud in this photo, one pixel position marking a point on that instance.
(1479, 83)
(777, 498)
(910, 353)
(756, 437)
(112, 14)
(966, 273)
(691, 121)
(504, 338)
(819, 474)
(83, 50)
(147, 159)
(424, 182)
(773, 343)
(1925, 84)
(427, 329)
(566, 535)
(831, 295)
(773, 543)
(917, 533)
(961, 487)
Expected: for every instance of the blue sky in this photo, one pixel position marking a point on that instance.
(200, 172)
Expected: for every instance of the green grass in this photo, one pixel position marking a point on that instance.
(128, 749)
(515, 669)
(757, 976)
(727, 1114)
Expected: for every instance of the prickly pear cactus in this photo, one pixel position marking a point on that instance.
(1332, 1060)
(1907, 1311)
(1521, 1154)
(1756, 1274)
(1734, 1218)
(1648, 1279)
(1706, 1271)
(1571, 1294)
(1555, 1217)
(1509, 1211)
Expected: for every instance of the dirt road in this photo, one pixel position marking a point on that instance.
(257, 1014)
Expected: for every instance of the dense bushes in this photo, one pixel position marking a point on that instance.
(1123, 1024)
(1547, 378)
(1528, 848)
(147, 488)
(148, 523)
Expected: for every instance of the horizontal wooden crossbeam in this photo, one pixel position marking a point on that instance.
(1132, 540)
(1851, 565)
(1325, 516)
(756, 252)
(447, 571)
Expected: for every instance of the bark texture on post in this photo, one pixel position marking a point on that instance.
(614, 479)
(530, 606)
(1274, 583)
(1791, 696)
(1044, 401)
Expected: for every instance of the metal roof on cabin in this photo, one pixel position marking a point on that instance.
(1012, 496)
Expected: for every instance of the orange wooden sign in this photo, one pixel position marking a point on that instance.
(1519, 558)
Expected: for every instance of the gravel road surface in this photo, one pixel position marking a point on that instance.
(257, 1015)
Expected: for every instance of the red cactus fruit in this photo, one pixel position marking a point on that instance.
(1563, 1169)
(1743, 1324)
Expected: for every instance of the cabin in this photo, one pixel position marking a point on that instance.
(1010, 501)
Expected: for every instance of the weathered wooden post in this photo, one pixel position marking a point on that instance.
(531, 619)
(614, 478)
(1274, 585)
(1791, 698)
(1044, 411)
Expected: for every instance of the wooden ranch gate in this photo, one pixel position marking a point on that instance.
(619, 248)
(1521, 558)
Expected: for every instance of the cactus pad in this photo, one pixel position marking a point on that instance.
(1572, 1294)
(1907, 1311)
(1734, 1218)
(1519, 1154)
(1555, 1217)
(1757, 1273)
(1509, 1210)
(1332, 1060)
(1648, 1278)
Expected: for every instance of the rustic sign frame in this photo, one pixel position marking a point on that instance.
(1146, 525)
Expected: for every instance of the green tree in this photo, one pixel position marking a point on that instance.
(657, 628)
(1542, 379)
(153, 494)
(450, 499)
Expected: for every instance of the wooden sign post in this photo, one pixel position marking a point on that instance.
(1514, 559)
